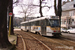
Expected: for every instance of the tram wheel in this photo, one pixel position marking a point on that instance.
(38, 33)
(35, 32)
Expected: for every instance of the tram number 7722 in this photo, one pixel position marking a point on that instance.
(47, 26)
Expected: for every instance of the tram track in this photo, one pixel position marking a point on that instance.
(23, 39)
(40, 42)
(66, 42)
(23, 42)
(52, 40)
(55, 45)
(19, 43)
(71, 40)
(63, 45)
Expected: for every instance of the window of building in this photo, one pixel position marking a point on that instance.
(62, 21)
(72, 19)
(71, 13)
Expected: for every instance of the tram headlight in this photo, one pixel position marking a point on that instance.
(58, 31)
(54, 31)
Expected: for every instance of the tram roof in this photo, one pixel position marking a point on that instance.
(24, 22)
(37, 19)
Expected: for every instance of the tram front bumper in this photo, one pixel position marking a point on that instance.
(56, 33)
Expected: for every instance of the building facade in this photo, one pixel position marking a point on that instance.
(68, 14)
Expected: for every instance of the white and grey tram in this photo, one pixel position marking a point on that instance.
(47, 26)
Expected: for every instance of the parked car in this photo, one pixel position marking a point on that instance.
(63, 30)
(72, 30)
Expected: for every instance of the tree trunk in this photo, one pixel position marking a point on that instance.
(3, 24)
(55, 7)
(59, 10)
(40, 11)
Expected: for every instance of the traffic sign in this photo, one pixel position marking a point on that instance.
(10, 14)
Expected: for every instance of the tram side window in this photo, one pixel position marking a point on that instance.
(26, 24)
(32, 23)
(37, 23)
(47, 23)
(42, 22)
(29, 24)
(23, 25)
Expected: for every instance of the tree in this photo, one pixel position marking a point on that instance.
(3, 24)
(40, 11)
(55, 7)
(27, 10)
(10, 6)
(41, 7)
(58, 9)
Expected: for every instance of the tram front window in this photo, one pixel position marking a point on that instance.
(54, 23)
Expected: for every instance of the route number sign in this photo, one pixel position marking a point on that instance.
(10, 14)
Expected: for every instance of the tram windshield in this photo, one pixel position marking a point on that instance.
(54, 23)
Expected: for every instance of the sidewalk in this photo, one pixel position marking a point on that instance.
(12, 39)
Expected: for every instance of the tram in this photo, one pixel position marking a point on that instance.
(47, 26)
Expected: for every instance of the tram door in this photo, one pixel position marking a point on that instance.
(43, 27)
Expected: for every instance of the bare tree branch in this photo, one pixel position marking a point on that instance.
(27, 9)
(17, 1)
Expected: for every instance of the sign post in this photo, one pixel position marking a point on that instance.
(10, 15)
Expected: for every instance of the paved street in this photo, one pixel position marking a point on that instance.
(17, 29)
(53, 43)
(69, 36)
